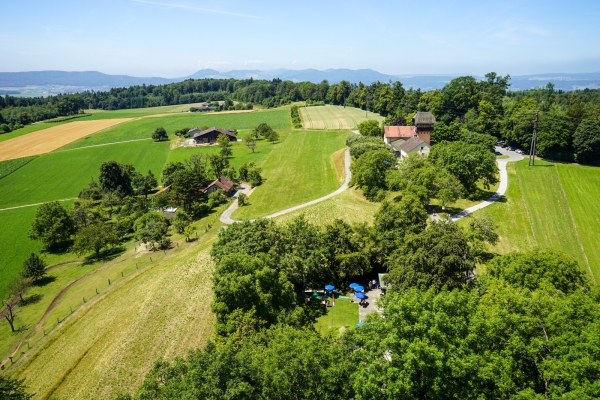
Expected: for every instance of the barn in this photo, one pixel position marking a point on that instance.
(210, 135)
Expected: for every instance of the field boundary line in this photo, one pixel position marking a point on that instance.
(34, 204)
(587, 262)
(103, 144)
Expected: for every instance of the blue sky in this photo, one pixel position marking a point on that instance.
(173, 38)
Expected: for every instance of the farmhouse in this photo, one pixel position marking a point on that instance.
(394, 133)
(412, 145)
(210, 135)
(221, 183)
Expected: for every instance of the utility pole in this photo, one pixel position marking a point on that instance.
(406, 107)
(367, 108)
(533, 141)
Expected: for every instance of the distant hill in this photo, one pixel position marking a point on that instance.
(64, 81)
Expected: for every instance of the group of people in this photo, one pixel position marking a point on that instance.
(373, 284)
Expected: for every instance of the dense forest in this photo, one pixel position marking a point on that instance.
(567, 122)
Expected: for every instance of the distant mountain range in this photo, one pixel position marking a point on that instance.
(70, 82)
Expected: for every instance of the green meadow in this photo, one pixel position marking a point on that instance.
(550, 206)
(298, 170)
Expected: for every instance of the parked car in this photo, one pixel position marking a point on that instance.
(509, 148)
(497, 153)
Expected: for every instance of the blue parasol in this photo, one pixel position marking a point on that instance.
(353, 285)
(360, 323)
(359, 288)
(360, 295)
(329, 287)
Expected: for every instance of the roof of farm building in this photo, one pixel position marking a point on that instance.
(399, 131)
(195, 132)
(423, 117)
(412, 144)
(222, 183)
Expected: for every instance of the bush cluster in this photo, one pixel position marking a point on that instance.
(295, 114)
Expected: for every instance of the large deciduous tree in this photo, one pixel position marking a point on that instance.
(115, 177)
(34, 267)
(368, 172)
(159, 134)
(52, 225)
(370, 127)
(586, 142)
(470, 163)
(94, 238)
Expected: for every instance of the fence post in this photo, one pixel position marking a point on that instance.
(109, 282)
(96, 290)
(84, 299)
(71, 310)
(122, 274)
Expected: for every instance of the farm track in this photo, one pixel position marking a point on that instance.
(339, 121)
(323, 119)
(309, 119)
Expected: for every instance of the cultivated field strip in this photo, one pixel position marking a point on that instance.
(334, 117)
(47, 140)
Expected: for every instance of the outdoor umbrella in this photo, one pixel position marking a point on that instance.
(360, 295)
(360, 324)
(329, 287)
(353, 285)
(358, 288)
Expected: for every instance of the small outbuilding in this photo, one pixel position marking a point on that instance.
(222, 183)
(210, 135)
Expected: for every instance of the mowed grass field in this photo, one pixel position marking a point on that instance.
(47, 140)
(550, 206)
(300, 169)
(143, 128)
(334, 117)
(106, 347)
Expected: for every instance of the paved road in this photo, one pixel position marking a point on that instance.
(226, 216)
(512, 156)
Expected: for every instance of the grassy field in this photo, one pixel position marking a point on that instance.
(298, 170)
(350, 206)
(16, 245)
(143, 128)
(550, 206)
(335, 117)
(106, 345)
(344, 314)
(62, 175)
(139, 112)
(9, 166)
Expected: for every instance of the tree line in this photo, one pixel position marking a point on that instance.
(568, 126)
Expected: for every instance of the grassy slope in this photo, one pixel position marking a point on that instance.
(62, 175)
(298, 170)
(106, 347)
(334, 117)
(16, 245)
(139, 112)
(548, 206)
(143, 128)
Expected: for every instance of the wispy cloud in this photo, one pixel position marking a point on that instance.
(191, 7)
(253, 62)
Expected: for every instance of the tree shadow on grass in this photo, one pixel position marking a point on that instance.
(44, 280)
(105, 255)
(33, 299)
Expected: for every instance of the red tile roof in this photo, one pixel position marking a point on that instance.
(222, 183)
(404, 132)
(163, 190)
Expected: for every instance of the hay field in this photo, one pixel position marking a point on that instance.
(334, 117)
(47, 140)
(108, 346)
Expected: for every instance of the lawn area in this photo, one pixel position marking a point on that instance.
(344, 314)
(16, 245)
(335, 117)
(142, 128)
(62, 175)
(350, 206)
(158, 310)
(298, 170)
(550, 206)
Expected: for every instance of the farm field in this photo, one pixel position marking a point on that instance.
(143, 128)
(47, 140)
(300, 169)
(62, 175)
(334, 117)
(105, 348)
(550, 206)
(29, 129)
(139, 112)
